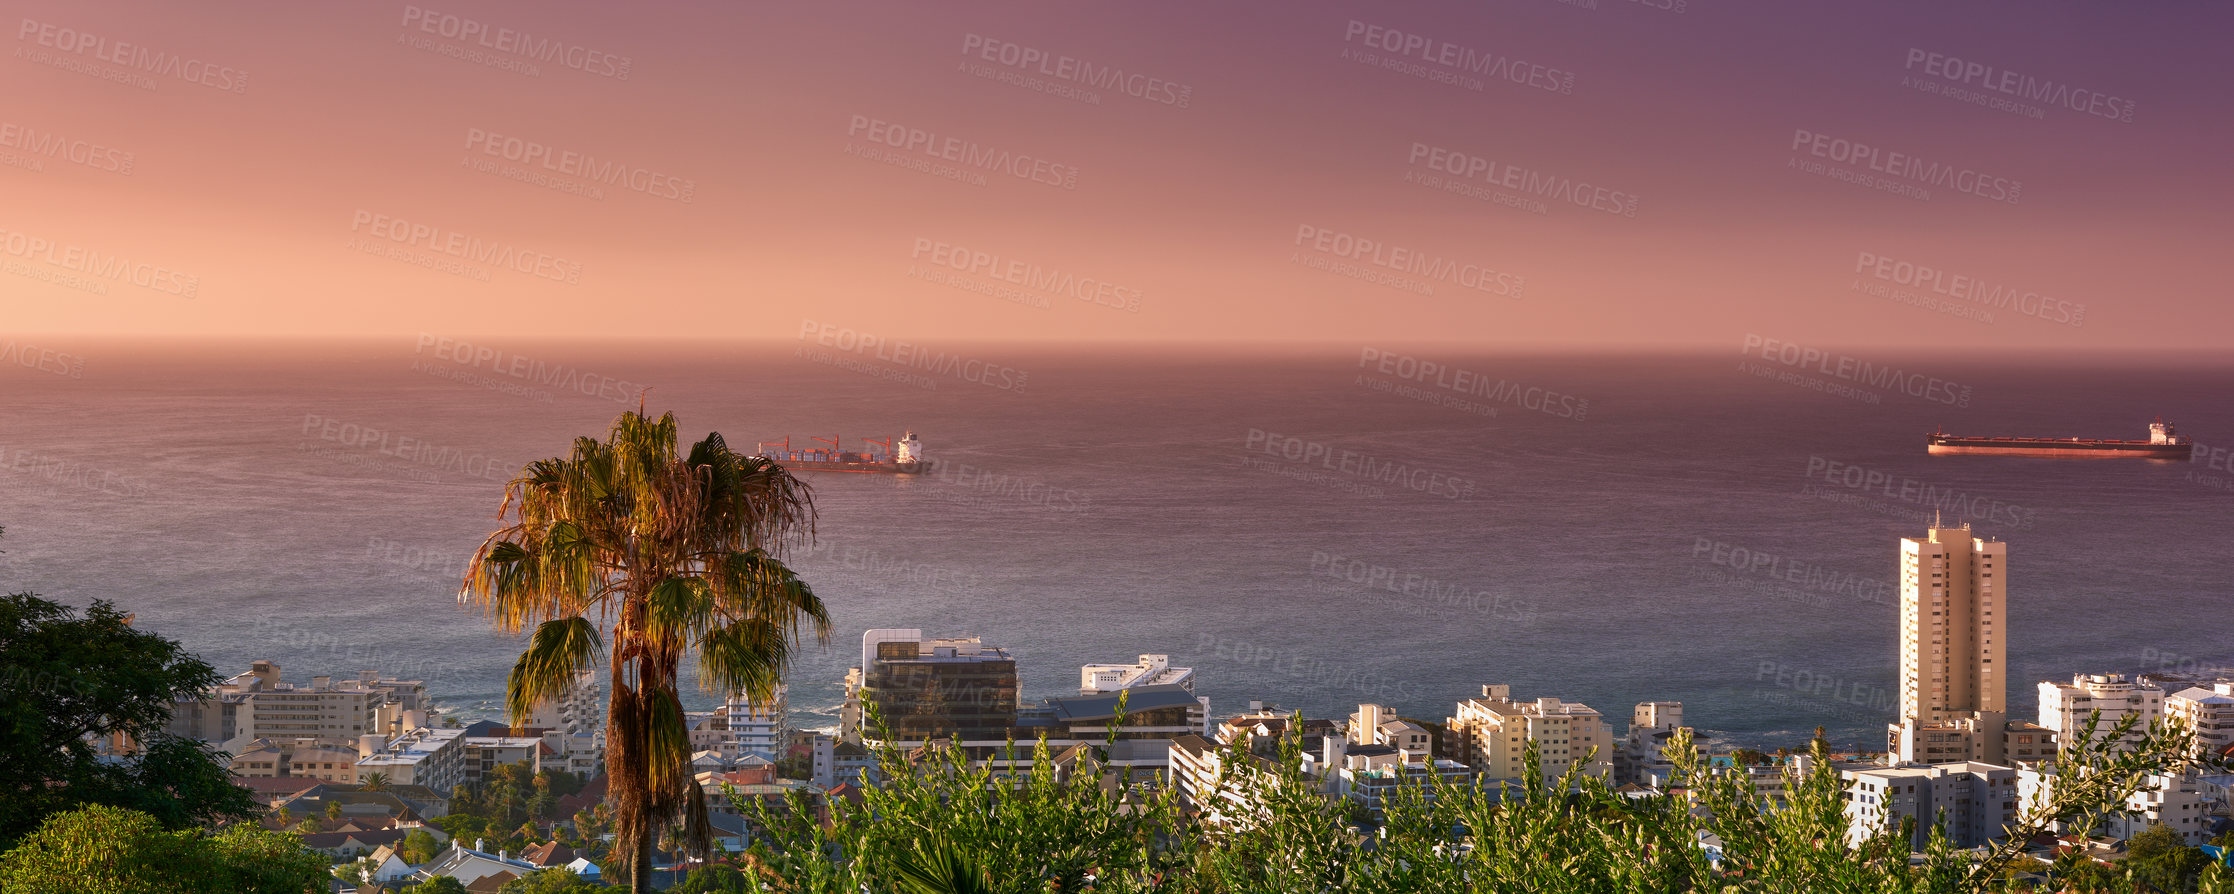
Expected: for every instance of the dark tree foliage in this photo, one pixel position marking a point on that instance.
(66, 679)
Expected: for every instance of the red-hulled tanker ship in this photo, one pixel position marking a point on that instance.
(2163, 443)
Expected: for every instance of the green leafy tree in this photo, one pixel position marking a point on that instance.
(67, 679)
(418, 847)
(551, 881)
(2162, 860)
(940, 824)
(441, 884)
(112, 850)
(678, 552)
(719, 879)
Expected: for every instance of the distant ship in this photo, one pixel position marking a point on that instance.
(904, 458)
(2163, 443)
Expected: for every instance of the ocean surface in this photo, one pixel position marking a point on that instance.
(1311, 529)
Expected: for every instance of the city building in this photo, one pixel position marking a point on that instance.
(1150, 670)
(1210, 790)
(1953, 672)
(1642, 757)
(2183, 800)
(837, 761)
(1491, 734)
(1154, 715)
(257, 704)
(931, 690)
(435, 758)
(1378, 754)
(575, 723)
(483, 754)
(756, 728)
(2209, 713)
(1377, 725)
(2065, 709)
(1368, 774)
(1979, 800)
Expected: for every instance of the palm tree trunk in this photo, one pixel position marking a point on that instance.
(640, 875)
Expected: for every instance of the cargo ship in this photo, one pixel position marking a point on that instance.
(904, 457)
(2163, 443)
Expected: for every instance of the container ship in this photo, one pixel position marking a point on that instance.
(904, 457)
(2163, 443)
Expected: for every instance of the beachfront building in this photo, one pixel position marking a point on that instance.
(574, 723)
(2209, 713)
(435, 758)
(257, 704)
(2065, 709)
(1491, 733)
(1150, 670)
(1954, 643)
(755, 727)
(1368, 774)
(1377, 725)
(1642, 757)
(2183, 800)
(931, 690)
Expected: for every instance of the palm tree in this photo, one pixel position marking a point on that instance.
(662, 555)
(373, 782)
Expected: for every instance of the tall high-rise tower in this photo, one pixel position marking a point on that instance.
(1951, 622)
(1954, 686)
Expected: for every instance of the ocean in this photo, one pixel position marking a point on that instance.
(1309, 528)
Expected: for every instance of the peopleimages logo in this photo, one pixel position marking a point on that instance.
(1365, 466)
(1466, 167)
(1969, 288)
(588, 167)
(516, 43)
(960, 151)
(1406, 268)
(96, 265)
(1971, 73)
(132, 56)
(461, 246)
(1472, 384)
(1908, 167)
(1077, 71)
(1452, 59)
(1849, 369)
(549, 375)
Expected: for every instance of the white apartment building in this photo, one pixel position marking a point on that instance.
(1377, 725)
(1150, 670)
(258, 705)
(2181, 800)
(755, 728)
(575, 722)
(1979, 799)
(2209, 713)
(435, 758)
(837, 761)
(2065, 709)
(1491, 734)
(483, 754)
(1370, 773)
(1642, 758)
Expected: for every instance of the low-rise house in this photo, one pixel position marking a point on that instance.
(474, 866)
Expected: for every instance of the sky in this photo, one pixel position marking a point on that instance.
(1600, 174)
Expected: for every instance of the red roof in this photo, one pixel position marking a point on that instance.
(590, 796)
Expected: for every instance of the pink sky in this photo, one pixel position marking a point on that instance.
(1233, 173)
